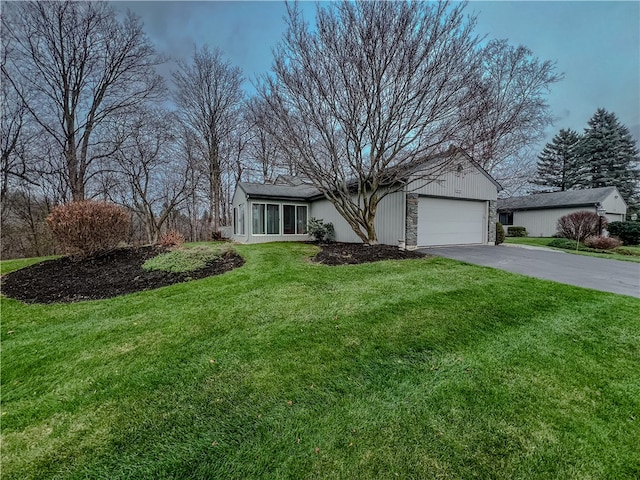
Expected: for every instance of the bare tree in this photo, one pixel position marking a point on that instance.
(208, 94)
(510, 112)
(267, 158)
(154, 178)
(76, 66)
(375, 89)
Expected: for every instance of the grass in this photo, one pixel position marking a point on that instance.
(286, 369)
(625, 253)
(185, 259)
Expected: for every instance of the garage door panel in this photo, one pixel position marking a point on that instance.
(450, 221)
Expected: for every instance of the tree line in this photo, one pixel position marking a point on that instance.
(604, 155)
(352, 104)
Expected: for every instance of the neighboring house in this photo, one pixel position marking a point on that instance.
(457, 208)
(539, 213)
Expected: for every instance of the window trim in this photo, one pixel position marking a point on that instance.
(281, 206)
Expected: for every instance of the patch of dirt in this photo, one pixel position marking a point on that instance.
(354, 253)
(118, 272)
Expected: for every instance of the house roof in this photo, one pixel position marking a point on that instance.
(303, 192)
(569, 198)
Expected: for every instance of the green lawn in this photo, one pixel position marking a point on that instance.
(612, 255)
(286, 369)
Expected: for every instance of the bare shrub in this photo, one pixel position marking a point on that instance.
(171, 239)
(580, 225)
(87, 228)
(602, 243)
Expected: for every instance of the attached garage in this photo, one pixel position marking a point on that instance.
(446, 221)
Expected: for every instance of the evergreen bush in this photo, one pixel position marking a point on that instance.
(517, 231)
(499, 233)
(322, 232)
(628, 232)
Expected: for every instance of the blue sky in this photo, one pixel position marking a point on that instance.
(595, 44)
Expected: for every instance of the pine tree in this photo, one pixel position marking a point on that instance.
(557, 167)
(608, 156)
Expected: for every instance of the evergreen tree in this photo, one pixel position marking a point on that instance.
(608, 156)
(557, 166)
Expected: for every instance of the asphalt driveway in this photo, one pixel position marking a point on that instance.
(583, 271)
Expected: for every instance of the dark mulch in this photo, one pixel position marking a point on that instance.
(354, 253)
(118, 272)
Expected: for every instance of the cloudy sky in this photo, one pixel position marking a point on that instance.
(595, 44)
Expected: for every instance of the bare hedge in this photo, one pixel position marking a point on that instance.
(88, 228)
(580, 225)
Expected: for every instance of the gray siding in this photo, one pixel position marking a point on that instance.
(615, 206)
(389, 220)
(542, 223)
(469, 183)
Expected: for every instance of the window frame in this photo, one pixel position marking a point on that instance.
(295, 207)
(509, 216)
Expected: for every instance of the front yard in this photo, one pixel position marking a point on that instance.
(283, 368)
(631, 253)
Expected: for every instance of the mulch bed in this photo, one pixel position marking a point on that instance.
(118, 272)
(354, 253)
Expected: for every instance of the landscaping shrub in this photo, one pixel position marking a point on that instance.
(517, 231)
(564, 243)
(184, 260)
(322, 232)
(628, 232)
(87, 228)
(171, 239)
(580, 225)
(499, 233)
(602, 243)
(634, 252)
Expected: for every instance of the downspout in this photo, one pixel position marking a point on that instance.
(402, 241)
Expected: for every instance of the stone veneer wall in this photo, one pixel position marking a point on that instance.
(411, 226)
(493, 218)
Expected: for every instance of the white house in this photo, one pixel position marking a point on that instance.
(457, 208)
(539, 213)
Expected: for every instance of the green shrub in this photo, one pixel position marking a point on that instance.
(628, 232)
(184, 260)
(87, 228)
(322, 232)
(565, 243)
(516, 231)
(602, 243)
(499, 233)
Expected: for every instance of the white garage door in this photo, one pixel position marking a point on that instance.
(443, 221)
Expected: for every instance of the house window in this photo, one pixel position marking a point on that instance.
(239, 217)
(506, 218)
(294, 219)
(265, 218)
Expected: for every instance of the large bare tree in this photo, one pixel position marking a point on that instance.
(76, 66)
(376, 88)
(152, 175)
(208, 94)
(510, 112)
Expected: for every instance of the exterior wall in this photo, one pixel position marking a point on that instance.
(469, 183)
(240, 199)
(542, 223)
(615, 207)
(389, 220)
